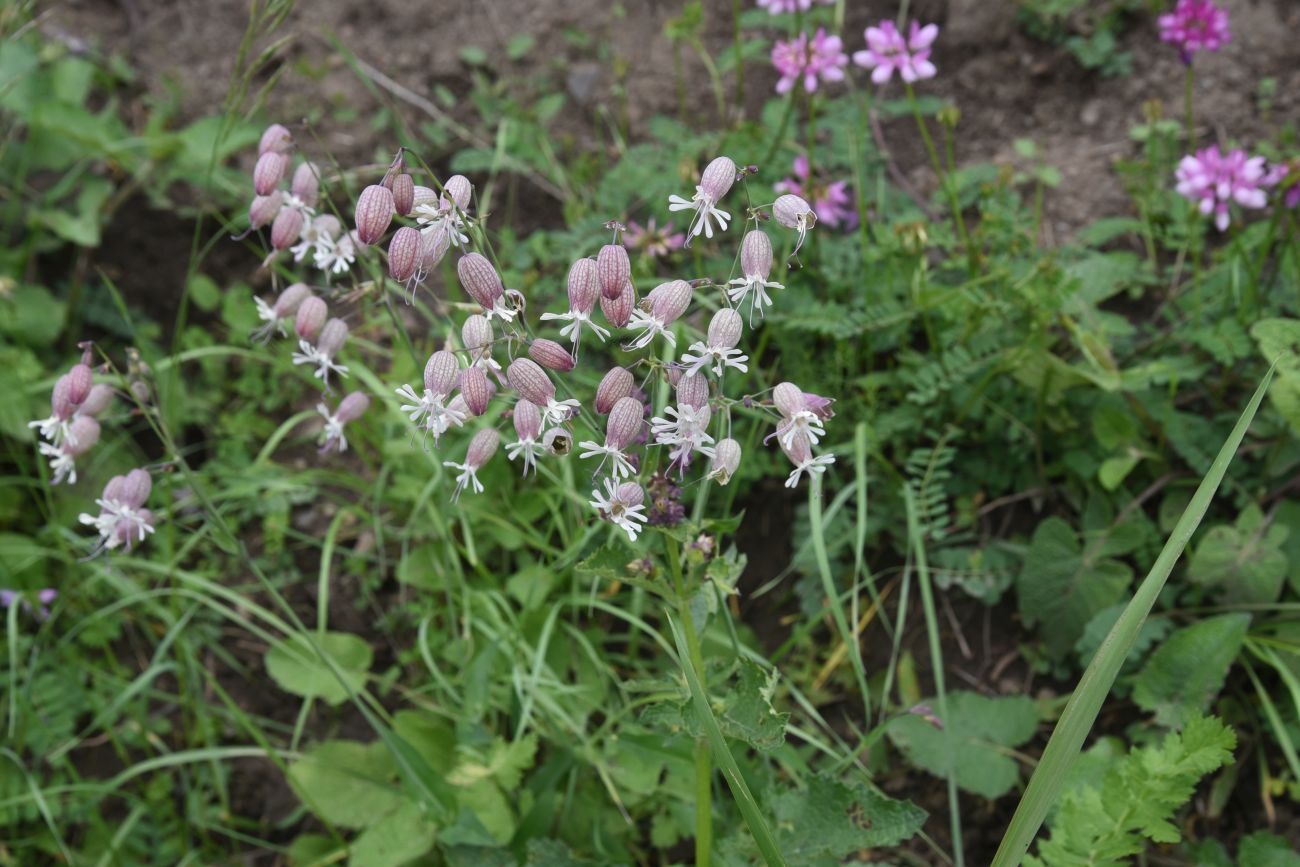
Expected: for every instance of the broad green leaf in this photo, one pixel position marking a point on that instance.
(1063, 584)
(1100, 626)
(1185, 673)
(346, 783)
(1245, 563)
(553, 853)
(432, 737)
(396, 839)
(982, 730)
(298, 670)
(744, 712)
(504, 761)
(1263, 849)
(1279, 340)
(32, 316)
(832, 820)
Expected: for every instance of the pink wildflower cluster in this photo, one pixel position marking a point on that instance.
(888, 51)
(820, 59)
(832, 201)
(652, 240)
(776, 7)
(1195, 25)
(1214, 181)
(1285, 178)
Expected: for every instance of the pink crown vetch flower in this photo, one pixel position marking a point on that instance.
(832, 202)
(776, 7)
(652, 240)
(821, 58)
(1214, 181)
(887, 51)
(1195, 25)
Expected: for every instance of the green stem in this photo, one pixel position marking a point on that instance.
(738, 44)
(848, 635)
(945, 179)
(1189, 117)
(703, 757)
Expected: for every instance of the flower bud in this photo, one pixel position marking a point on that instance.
(328, 225)
(480, 280)
(476, 389)
(476, 334)
(530, 381)
(100, 398)
(693, 391)
(287, 228)
(403, 194)
(788, 399)
(613, 270)
(80, 381)
(630, 494)
(619, 311)
(670, 300)
(793, 212)
(352, 407)
(306, 184)
(135, 490)
(718, 177)
(374, 213)
(83, 433)
(482, 447)
(818, 405)
(435, 247)
(625, 422)
(312, 313)
(726, 458)
(528, 419)
(404, 253)
(557, 441)
(288, 301)
(332, 337)
(441, 372)
(268, 172)
(458, 190)
(582, 286)
(276, 139)
(264, 209)
(725, 328)
(113, 490)
(423, 196)
(756, 254)
(551, 355)
(614, 386)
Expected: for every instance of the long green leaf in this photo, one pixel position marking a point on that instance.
(1084, 705)
(726, 761)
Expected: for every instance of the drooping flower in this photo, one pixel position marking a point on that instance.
(350, 409)
(831, 201)
(726, 460)
(277, 315)
(798, 418)
(431, 409)
(583, 290)
(481, 449)
(887, 51)
(621, 429)
(622, 505)
(1195, 25)
(715, 183)
(528, 426)
(756, 266)
(800, 453)
(793, 212)
(820, 59)
(82, 434)
(1214, 181)
(70, 391)
(668, 301)
(651, 240)
(718, 351)
(527, 377)
(332, 337)
(482, 283)
(123, 520)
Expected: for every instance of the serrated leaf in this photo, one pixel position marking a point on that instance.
(298, 670)
(1063, 584)
(982, 729)
(832, 820)
(1187, 671)
(743, 713)
(1279, 340)
(346, 783)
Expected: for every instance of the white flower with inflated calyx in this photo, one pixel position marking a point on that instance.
(798, 417)
(528, 427)
(432, 410)
(332, 337)
(715, 182)
(481, 449)
(533, 385)
(623, 505)
(621, 429)
(584, 291)
(667, 302)
(756, 266)
(718, 351)
(482, 283)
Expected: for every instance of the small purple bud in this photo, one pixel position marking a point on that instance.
(613, 270)
(268, 172)
(725, 328)
(458, 190)
(306, 184)
(441, 372)
(311, 316)
(287, 228)
(614, 386)
(100, 398)
(818, 405)
(530, 381)
(374, 213)
(404, 252)
(264, 209)
(276, 139)
(528, 419)
(693, 391)
(583, 286)
(352, 407)
(718, 177)
(288, 301)
(80, 381)
(551, 355)
(403, 194)
(670, 300)
(332, 337)
(482, 447)
(788, 399)
(480, 280)
(726, 458)
(756, 254)
(476, 389)
(619, 311)
(625, 422)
